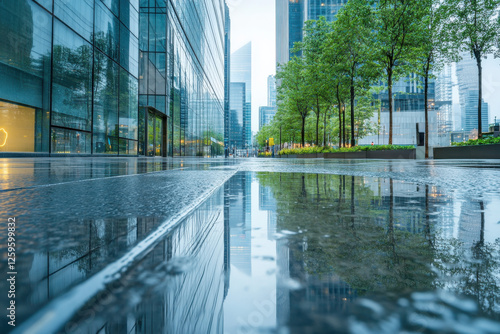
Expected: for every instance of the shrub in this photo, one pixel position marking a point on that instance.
(317, 149)
(484, 141)
(265, 154)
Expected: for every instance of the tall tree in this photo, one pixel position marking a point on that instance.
(353, 37)
(432, 49)
(293, 90)
(396, 23)
(312, 47)
(474, 27)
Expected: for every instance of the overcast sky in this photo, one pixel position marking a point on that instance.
(254, 21)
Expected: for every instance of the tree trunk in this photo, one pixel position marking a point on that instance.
(303, 132)
(340, 117)
(480, 104)
(343, 125)
(353, 140)
(426, 94)
(317, 121)
(324, 127)
(389, 85)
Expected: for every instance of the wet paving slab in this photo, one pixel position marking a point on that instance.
(278, 247)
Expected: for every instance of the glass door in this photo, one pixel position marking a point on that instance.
(151, 134)
(158, 136)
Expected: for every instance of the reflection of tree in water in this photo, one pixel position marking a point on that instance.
(361, 238)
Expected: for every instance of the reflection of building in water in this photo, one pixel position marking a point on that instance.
(267, 202)
(410, 202)
(240, 222)
(470, 223)
(198, 292)
(322, 295)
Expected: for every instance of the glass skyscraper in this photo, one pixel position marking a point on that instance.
(241, 73)
(468, 88)
(113, 77)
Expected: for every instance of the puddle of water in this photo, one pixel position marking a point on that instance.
(298, 253)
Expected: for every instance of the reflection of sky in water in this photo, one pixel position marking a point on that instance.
(251, 301)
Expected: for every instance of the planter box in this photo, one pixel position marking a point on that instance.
(307, 156)
(338, 155)
(389, 154)
(392, 154)
(292, 156)
(355, 155)
(468, 152)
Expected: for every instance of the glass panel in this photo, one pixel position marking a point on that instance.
(107, 33)
(70, 141)
(128, 147)
(128, 106)
(71, 87)
(158, 136)
(129, 51)
(77, 14)
(114, 5)
(45, 3)
(26, 31)
(129, 16)
(105, 104)
(151, 136)
(17, 128)
(142, 130)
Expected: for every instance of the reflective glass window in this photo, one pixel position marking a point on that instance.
(70, 141)
(45, 3)
(128, 106)
(78, 14)
(106, 83)
(114, 5)
(26, 31)
(107, 31)
(129, 16)
(72, 82)
(128, 147)
(129, 51)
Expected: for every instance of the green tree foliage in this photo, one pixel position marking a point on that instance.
(474, 28)
(352, 39)
(293, 91)
(396, 23)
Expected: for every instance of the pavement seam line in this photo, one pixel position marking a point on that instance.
(54, 315)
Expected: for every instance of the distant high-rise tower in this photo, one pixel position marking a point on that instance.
(290, 18)
(271, 91)
(266, 114)
(468, 89)
(241, 72)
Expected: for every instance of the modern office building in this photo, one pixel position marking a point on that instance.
(237, 108)
(271, 91)
(227, 76)
(290, 18)
(111, 77)
(444, 104)
(468, 90)
(266, 115)
(241, 73)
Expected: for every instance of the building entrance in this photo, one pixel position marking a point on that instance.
(154, 131)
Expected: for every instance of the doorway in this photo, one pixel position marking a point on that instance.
(154, 132)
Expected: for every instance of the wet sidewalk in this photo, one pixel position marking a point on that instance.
(254, 245)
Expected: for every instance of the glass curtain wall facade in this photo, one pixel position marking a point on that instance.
(72, 72)
(69, 76)
(195, 71)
